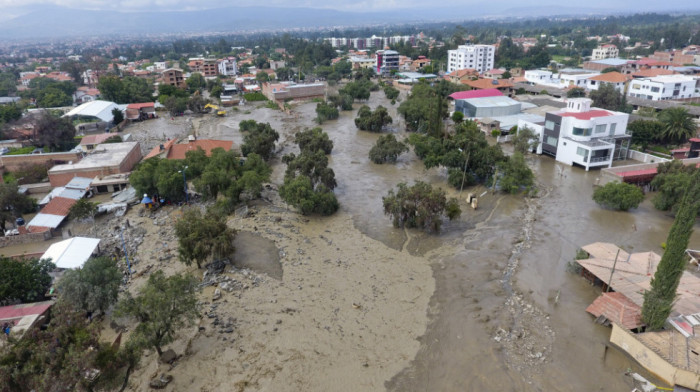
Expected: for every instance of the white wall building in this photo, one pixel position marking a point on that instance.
(665, 87)
(536, 76)
(228, 67)
(581, 135)
(160, 66)
(568, 80)
(605, 52)
(617, 79)
(479, 57)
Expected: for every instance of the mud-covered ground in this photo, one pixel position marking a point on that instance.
(348, 303)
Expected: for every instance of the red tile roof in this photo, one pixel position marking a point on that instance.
(141, 105)
(611, 77)
(617, 307)
(488, 92)
(483, 84)
(157, 150)
(58, 206)
(587, 115)
(95, 139)
(178, 151)
(14, 312)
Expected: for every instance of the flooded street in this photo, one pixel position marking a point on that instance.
(499, 313)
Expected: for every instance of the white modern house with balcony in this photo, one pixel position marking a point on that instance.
(664, 87)
(582, 136)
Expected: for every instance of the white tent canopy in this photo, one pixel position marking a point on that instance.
(99, 109)
(71, 253)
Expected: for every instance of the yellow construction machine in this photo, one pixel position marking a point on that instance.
(219, 112)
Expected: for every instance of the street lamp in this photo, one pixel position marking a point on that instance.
(184, 180)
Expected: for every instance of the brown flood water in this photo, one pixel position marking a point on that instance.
(469, 260)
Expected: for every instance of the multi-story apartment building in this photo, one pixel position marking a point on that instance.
(479, 57)
(386, 61)
(603, 52)
(207, 67)
(371, 42)
(665, 87)
(173, 77)
(227, 67)
(581, 135)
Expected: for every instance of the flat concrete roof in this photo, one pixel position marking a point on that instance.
(487, 102)
(104, 155)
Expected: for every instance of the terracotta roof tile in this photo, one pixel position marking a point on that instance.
(488, 83)
(611, 77)
(58, 206)
(178, 151)
(617, 307)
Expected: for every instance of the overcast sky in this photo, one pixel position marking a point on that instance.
(15, 7)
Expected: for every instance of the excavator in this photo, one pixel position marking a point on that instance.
(219, 112)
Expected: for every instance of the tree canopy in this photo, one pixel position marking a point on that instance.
(677, 125)
(387, 149)
(129, 89)
(24, 280)
(203, 236)
(14, 204)
(373, 121)
(608, 97)
(618, 195)
(94, 287)
(164, 305)
(259, 139)
(420, 206)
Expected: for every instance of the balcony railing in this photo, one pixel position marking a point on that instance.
(600, 159)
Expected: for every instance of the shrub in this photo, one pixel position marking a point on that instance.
(619, 196)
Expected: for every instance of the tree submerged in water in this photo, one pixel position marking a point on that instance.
(420, 206)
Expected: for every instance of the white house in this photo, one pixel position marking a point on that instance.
(479, 57)
(602, 52)
(664, 87)
(227, 67)
(581, 135)
(537, 76)
(575, 79)
(615, 78)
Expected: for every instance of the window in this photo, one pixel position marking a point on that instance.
(581, 131)
(635, 86)
(552, 141)
(549, 125)
(612, 128)
(655, 89)
(600, 128)
(581, 151)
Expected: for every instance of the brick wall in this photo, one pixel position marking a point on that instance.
(15, 162)
(24, 239)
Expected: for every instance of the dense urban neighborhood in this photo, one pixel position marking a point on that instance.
(503, 204)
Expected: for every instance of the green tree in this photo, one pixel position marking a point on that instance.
(196, 82)
(671, 181)
(525, 140)
(658, 301)
(163, 307)
(56, 133)
(368, 120)
(14, 204)
(52, 97)
(83, 208)
(420, 206)
(391, 92)
(514, 174)
(576, 92)
(358, 90)
(203, 236)
(9, 113)
(618, 195)
(260, 139)
(325, 112)
(24, 280)
(94, 287)
(387, 149)
(678, 124)
(175, 105)
(262, 77)
(129, 89)
(645, 132)
(608, 97)
(457, 117)
(314, 139)
(118, 116)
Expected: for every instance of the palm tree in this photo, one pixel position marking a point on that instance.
(678, 125)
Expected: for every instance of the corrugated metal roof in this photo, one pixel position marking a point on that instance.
(74, 194)
(46, 220)
(18, 311)
(71, 253)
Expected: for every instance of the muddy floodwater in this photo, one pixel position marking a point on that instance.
(504, 313)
